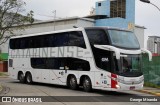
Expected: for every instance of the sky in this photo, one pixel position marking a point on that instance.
(146, 14)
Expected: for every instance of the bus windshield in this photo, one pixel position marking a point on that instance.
(124, 39)
(130, 66)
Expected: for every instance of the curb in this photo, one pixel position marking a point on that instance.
(149, 92)
(4, 76)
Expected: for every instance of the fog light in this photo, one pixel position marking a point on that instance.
(117, 86)
(142, 85)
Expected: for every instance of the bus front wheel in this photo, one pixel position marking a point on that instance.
(29, 78)
(87, 86)
(73, 83)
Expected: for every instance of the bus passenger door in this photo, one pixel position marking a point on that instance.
(58, 72)
(54, 76)
(62, 77)
(58, 76)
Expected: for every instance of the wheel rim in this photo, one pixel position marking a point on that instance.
(21, 77)
(86, 83)
(28, 79)
(72, 82)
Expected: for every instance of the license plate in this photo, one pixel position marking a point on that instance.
(132, 87)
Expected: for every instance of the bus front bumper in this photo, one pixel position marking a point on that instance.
(121, 86)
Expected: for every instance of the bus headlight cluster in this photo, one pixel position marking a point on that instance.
(117, 79)
(142, 79)
(121, 80)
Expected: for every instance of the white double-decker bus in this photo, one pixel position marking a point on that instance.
(92, 57)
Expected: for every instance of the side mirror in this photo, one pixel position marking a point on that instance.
(148, 52)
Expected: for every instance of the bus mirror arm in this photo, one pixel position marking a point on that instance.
(148, 52)
(109, 48)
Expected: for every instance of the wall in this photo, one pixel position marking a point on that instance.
(139, 32)
(104, 9)
(3, 66)
(153, 44)
(126, 23)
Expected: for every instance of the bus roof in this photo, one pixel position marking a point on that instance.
(68, 30)
(50, 32)
(108, 28)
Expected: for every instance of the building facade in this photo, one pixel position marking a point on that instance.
(153, 45)
(121, 13)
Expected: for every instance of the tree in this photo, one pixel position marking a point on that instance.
(10, 15)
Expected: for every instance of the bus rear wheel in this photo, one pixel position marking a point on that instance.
(73, 83)
(29, 78)
(87, 85)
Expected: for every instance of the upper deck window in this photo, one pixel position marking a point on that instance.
(73, 38)
(124, 39)
(97, 37)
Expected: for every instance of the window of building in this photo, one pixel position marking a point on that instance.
(99, 4)
(118, 8)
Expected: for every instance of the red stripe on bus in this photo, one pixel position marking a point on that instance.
(113, 82)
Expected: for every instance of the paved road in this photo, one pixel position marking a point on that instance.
(14, 88)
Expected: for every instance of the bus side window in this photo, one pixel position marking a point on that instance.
(30, 42)
(40, 42)
(60, 63)
(22, 43)
(76, 39)
(51, 42)
(17, 43)
(97, 36)
(102, 57)
(54, 63)
(78, 64)
(39, 63)
(61, 39)
(10, 62)
(12, 43)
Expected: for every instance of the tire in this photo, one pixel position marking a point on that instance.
(29, 78)
(73, 83)
(87, 85)
(21, 78)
